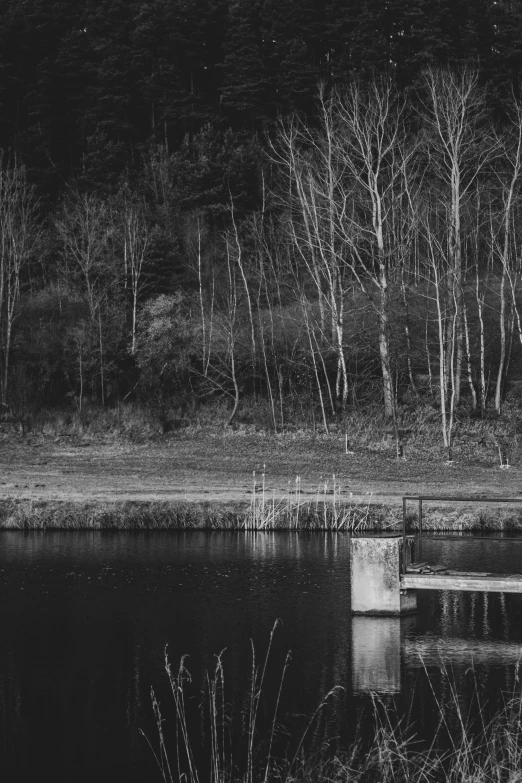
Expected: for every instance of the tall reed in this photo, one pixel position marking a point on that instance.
(465, 748)
(330, 510)
(234, 752)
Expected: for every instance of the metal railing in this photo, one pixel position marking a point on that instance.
(443, 498)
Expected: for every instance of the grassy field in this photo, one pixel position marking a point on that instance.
(235, 479)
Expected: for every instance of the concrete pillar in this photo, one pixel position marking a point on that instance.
(375, 567)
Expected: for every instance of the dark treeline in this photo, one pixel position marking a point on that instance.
(314, 204)
(87, 87)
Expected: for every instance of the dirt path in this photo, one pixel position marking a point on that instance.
(219, 468)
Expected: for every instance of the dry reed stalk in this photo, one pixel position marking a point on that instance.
(460, 751)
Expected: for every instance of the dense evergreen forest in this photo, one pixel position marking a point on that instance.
(284, 210)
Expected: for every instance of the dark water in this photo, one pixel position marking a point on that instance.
(85, 617)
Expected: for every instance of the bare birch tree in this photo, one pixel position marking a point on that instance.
(20, 236)
(373, 214)
(438, 278)
(504, 241)
(349, 209)
(314, 173)
(458, 145)
(136, 240)
(85, 228)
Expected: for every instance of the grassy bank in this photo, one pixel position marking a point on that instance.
(271, 515)
(112, 473)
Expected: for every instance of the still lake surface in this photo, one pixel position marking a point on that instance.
(85, 617)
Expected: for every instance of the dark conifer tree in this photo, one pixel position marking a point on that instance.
(215, 168)
(45, 60)
(247, 95)
(178, 47)
(297, 51)
(504, 69)
(110, 121)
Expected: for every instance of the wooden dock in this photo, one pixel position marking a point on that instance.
(385, 577)
(463, 580)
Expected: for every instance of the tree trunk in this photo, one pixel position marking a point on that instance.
(384, 349)
(503, 342)
(407, 332)
(468, 357)
(102, 370)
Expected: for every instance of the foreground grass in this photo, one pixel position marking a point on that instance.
(246, 746)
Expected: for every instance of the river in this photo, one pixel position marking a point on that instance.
(85, 618)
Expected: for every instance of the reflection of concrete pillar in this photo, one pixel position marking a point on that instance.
(375, 565)
(376, 654)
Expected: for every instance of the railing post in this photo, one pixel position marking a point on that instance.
(420, 530)
(404, 535)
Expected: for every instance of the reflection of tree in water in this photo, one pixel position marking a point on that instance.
(134, 701)
(57, 681)
(11, 727)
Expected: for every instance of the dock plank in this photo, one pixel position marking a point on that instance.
(467, 581)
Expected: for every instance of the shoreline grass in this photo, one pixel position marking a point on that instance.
(263, 512)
